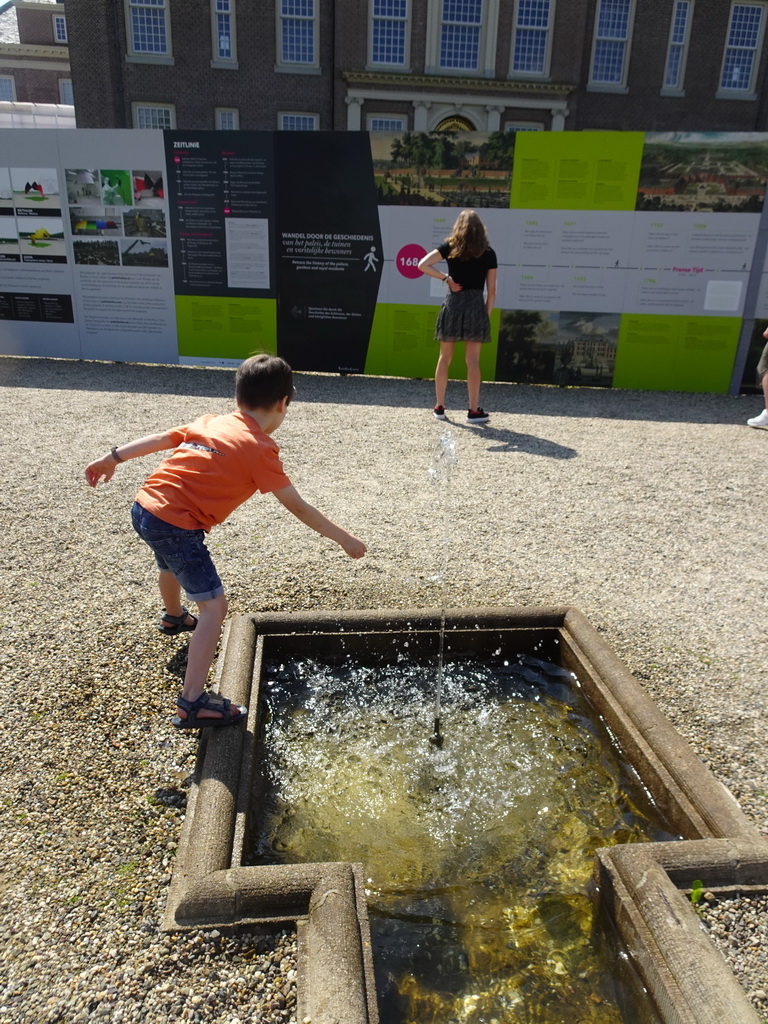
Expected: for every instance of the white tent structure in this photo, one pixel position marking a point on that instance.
(36, 115)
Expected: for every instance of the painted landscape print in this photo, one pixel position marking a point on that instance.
(443, 168)
(709, 172)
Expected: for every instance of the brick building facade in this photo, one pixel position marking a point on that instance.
(400, 65)
(36, 68)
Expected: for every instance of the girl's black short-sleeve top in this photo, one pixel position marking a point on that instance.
(469, 273)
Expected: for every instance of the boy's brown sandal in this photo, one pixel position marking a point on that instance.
(211, 703)
(177, 623)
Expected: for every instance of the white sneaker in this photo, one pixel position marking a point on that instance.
(759, 421)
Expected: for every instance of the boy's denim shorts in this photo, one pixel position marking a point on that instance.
(181, 552)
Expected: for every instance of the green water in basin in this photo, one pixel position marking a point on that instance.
(477, 855)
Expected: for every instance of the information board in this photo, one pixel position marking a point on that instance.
(625, 259)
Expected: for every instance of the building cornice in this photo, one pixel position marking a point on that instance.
(33, 5)
(456, 84)
(23, 51)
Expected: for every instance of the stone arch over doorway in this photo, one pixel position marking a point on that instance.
(455, 123)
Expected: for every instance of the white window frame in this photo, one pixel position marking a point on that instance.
(135, 56)
(63, 82)
(282, 114)
(298, 67)
(219, 60)
(547, 32)
(749, 93)
(401, 118)
(406, 22)
(60, 36)
(678, 45)
(599, 85)
(227, 111)
(489, 29)
(9, 78)
(136, 107)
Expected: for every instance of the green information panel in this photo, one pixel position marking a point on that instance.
(403, 344)
(580, 171)
(225, 328)
(676, 353)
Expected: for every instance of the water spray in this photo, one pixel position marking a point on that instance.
(443, 459)
(436, 739)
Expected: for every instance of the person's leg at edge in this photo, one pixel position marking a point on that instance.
(761, 420)
(441, 370)
(202, 648)
(472, 356)
(170, 592)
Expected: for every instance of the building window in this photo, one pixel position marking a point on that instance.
(460, 34)
(678, 45)
(461, 37)
(382, 123)
(148, 25)
(227, 119)
(743, 44)
(59, 28)
(298, 35)
(610, 53)
(531, 49)
(223, 28)
(66, 95)
(297, 122)
(156, 115)
(389, 32)
(7, 90)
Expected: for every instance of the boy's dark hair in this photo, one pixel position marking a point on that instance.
(262, 380)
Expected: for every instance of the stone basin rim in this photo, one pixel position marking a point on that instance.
(211, 887)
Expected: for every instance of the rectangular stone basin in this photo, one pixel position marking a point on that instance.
(641, 886)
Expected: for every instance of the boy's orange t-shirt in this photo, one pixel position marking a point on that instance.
(218, 463)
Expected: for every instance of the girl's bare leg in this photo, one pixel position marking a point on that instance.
(472, 355)
(441, 371)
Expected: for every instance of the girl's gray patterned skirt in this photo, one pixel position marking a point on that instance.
(463, 317)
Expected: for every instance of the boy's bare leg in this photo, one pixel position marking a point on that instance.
(170, 592)
(202, 648)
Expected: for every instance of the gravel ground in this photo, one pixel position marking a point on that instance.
(739, 928)
(639, 508)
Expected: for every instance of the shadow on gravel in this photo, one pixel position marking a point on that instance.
(511, 441)
(397, 393)
(177, 664)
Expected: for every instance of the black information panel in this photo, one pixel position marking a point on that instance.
(221, 205)
(49, 309)
(329, 255)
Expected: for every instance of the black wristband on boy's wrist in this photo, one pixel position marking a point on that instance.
(115, 456)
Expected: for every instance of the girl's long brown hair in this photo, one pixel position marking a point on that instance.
(468, 239)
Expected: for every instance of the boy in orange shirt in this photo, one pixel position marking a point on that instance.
(217, 463)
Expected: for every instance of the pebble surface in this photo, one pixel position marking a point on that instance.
(645, 510)
(739, 929)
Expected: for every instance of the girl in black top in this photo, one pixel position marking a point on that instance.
(465, 313)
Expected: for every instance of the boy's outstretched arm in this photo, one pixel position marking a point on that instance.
(106, 465)
(315, 520)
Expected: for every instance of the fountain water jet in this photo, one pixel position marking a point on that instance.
(443, 461)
